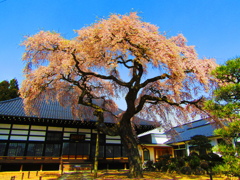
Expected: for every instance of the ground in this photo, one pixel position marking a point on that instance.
(107, 175)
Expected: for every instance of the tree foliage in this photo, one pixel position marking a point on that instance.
(225, 107)
(118, 57)
(201, 143)
(8, 90)
(230, 150)
(226, 101)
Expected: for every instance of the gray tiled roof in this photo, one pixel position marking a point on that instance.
(51, 110)
(199, 127)
(48, 110)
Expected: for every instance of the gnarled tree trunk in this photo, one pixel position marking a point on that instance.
(131, 146)
(126, 131)
(96, 156)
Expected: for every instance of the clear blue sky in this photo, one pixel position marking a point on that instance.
(213, 26)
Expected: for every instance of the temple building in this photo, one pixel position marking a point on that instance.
(55, 140)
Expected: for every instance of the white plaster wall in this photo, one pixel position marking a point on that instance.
(159, 139)
(151, 152)
(213, 142)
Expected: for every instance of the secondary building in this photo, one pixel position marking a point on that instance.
(156, 143)
(153, 145)
(188, 130)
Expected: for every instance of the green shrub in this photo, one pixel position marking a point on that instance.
(149, 166)
(162, 163)
(186, 170)
(194, 162)
(199, 171)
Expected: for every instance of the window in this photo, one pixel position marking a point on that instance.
(179, 150)
(102, 139)
(113, 151)
(72, 148)
(16, 149)
(182, 146)
(109, 151)
(52, 150)
(65, 148)
(83, 148)
(124, 152)
(101, 151)
(117, 151)
(54, 136)
(76, 148)
(179, 146)
(161, 152)
(35, 149)
(2, 148)
(180, 153)
(146, 155)
(77, 137)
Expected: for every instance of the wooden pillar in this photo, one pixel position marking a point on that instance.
(61, 168)
(173, 154)
(95, 167)
(155, 158)
(41, 167)
(21, 167)
(187, 149)
(22, 176)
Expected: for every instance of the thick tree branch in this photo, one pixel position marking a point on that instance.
(155, 100)
(124, 62)
(111, 131)
(156, 78)
(136, 75)
(111, 77)
(86, 92)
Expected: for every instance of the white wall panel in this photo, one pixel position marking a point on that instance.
(66, 134)
(23, 138)
(41, 133)
(19, 126)
(88, 136)
(113, 137)
(70, 129)
(35, 138)
(113, 141)
(38, 127)
(4, 137)
(85, 130)
(21, 132)
(51, 128)
(4, 131)
(5, 125)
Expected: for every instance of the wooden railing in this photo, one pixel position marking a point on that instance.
(116, 158)
(29, 158)
(56, 159)
(75, 157)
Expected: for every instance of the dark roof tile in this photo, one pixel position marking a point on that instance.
(48, 110)
(199, 127)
